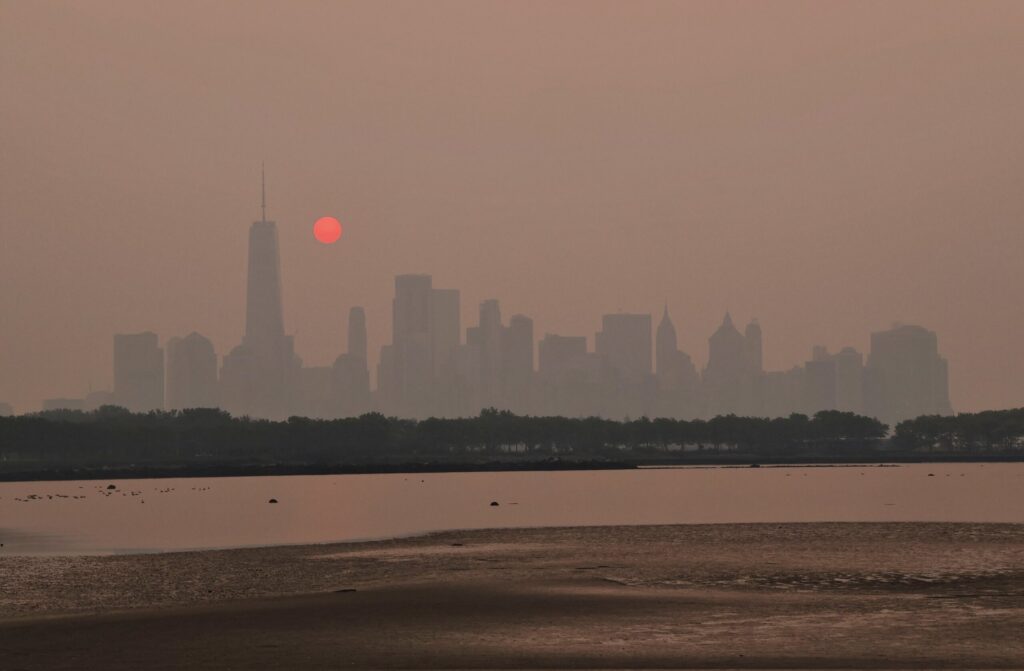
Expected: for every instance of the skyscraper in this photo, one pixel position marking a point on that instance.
(191, 373)
(624, 341)
(445, 338)
(138, 372)
(421, 356)
(849, 380)
(412, 355)
(517, 363)
(726, 369)
(351, 375)
(489, 338)
(357, 333)
(905, 377)
(259, 375)
(819, 383)
(570, 377)
(676, 375)
(754, 348)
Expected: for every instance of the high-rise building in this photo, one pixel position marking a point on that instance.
(138, 372)
(849, 380)
(489, 336)
(412, 347)
(557, 353)
(350, 386)
(416, 371)
(783, 392)
(677, 379)
(315, 392)
(754, 348)
(570, 378)
(666, 349)
(726, 371)
(191, 373)
(259, 377)
(624, 341)
(445, 330)
(357, 333)
(445, 338)
(819, 382)
(517, 363)
(905, 377)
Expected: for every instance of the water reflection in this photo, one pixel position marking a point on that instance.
(178, 514)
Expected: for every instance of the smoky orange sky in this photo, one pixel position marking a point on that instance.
(828, 168)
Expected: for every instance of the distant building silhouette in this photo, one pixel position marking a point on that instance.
(51, 404)
(517, 364)
(849, 380)
(727, 369)
(678, 384)
(782, 392)
(488, 335)
(6, 410)
(191, 373)
(625, 343)
(95, 400)
(820, 382)
(419, 373)
(350, 386)
(314, 395)
(430, 369)
(138, 372)
(905, 377)
(259, 376)
(570, 377)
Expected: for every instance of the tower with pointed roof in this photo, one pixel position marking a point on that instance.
(725, 371)
(666, 346)
(257, 376)
(675, 373)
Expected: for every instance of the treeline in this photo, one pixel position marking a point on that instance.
(114, 437)
(992, 431)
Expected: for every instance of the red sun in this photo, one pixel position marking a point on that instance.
(327, 230)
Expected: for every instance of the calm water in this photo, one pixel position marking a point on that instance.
(178, 514)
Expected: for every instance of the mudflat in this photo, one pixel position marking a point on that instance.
(901, 595)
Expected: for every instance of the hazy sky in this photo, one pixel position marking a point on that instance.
(826, 167)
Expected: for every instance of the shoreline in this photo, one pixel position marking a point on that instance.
(257, 470)
(803, 595)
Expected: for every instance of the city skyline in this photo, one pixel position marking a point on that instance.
(435, 367)
(829, 176)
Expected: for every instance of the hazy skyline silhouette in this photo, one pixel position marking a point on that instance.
(824, 168)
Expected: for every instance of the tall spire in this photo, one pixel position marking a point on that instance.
(263, 193)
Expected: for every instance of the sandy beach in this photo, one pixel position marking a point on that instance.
(896, 595)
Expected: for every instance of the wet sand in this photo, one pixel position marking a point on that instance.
(711, 596)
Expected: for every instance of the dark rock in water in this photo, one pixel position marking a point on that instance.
(931, 475)
(346, 589)
(272, 501)
(755, 465)
(454, 545)
(494, 503)
(111, 486)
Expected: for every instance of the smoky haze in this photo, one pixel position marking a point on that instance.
(828, 168)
